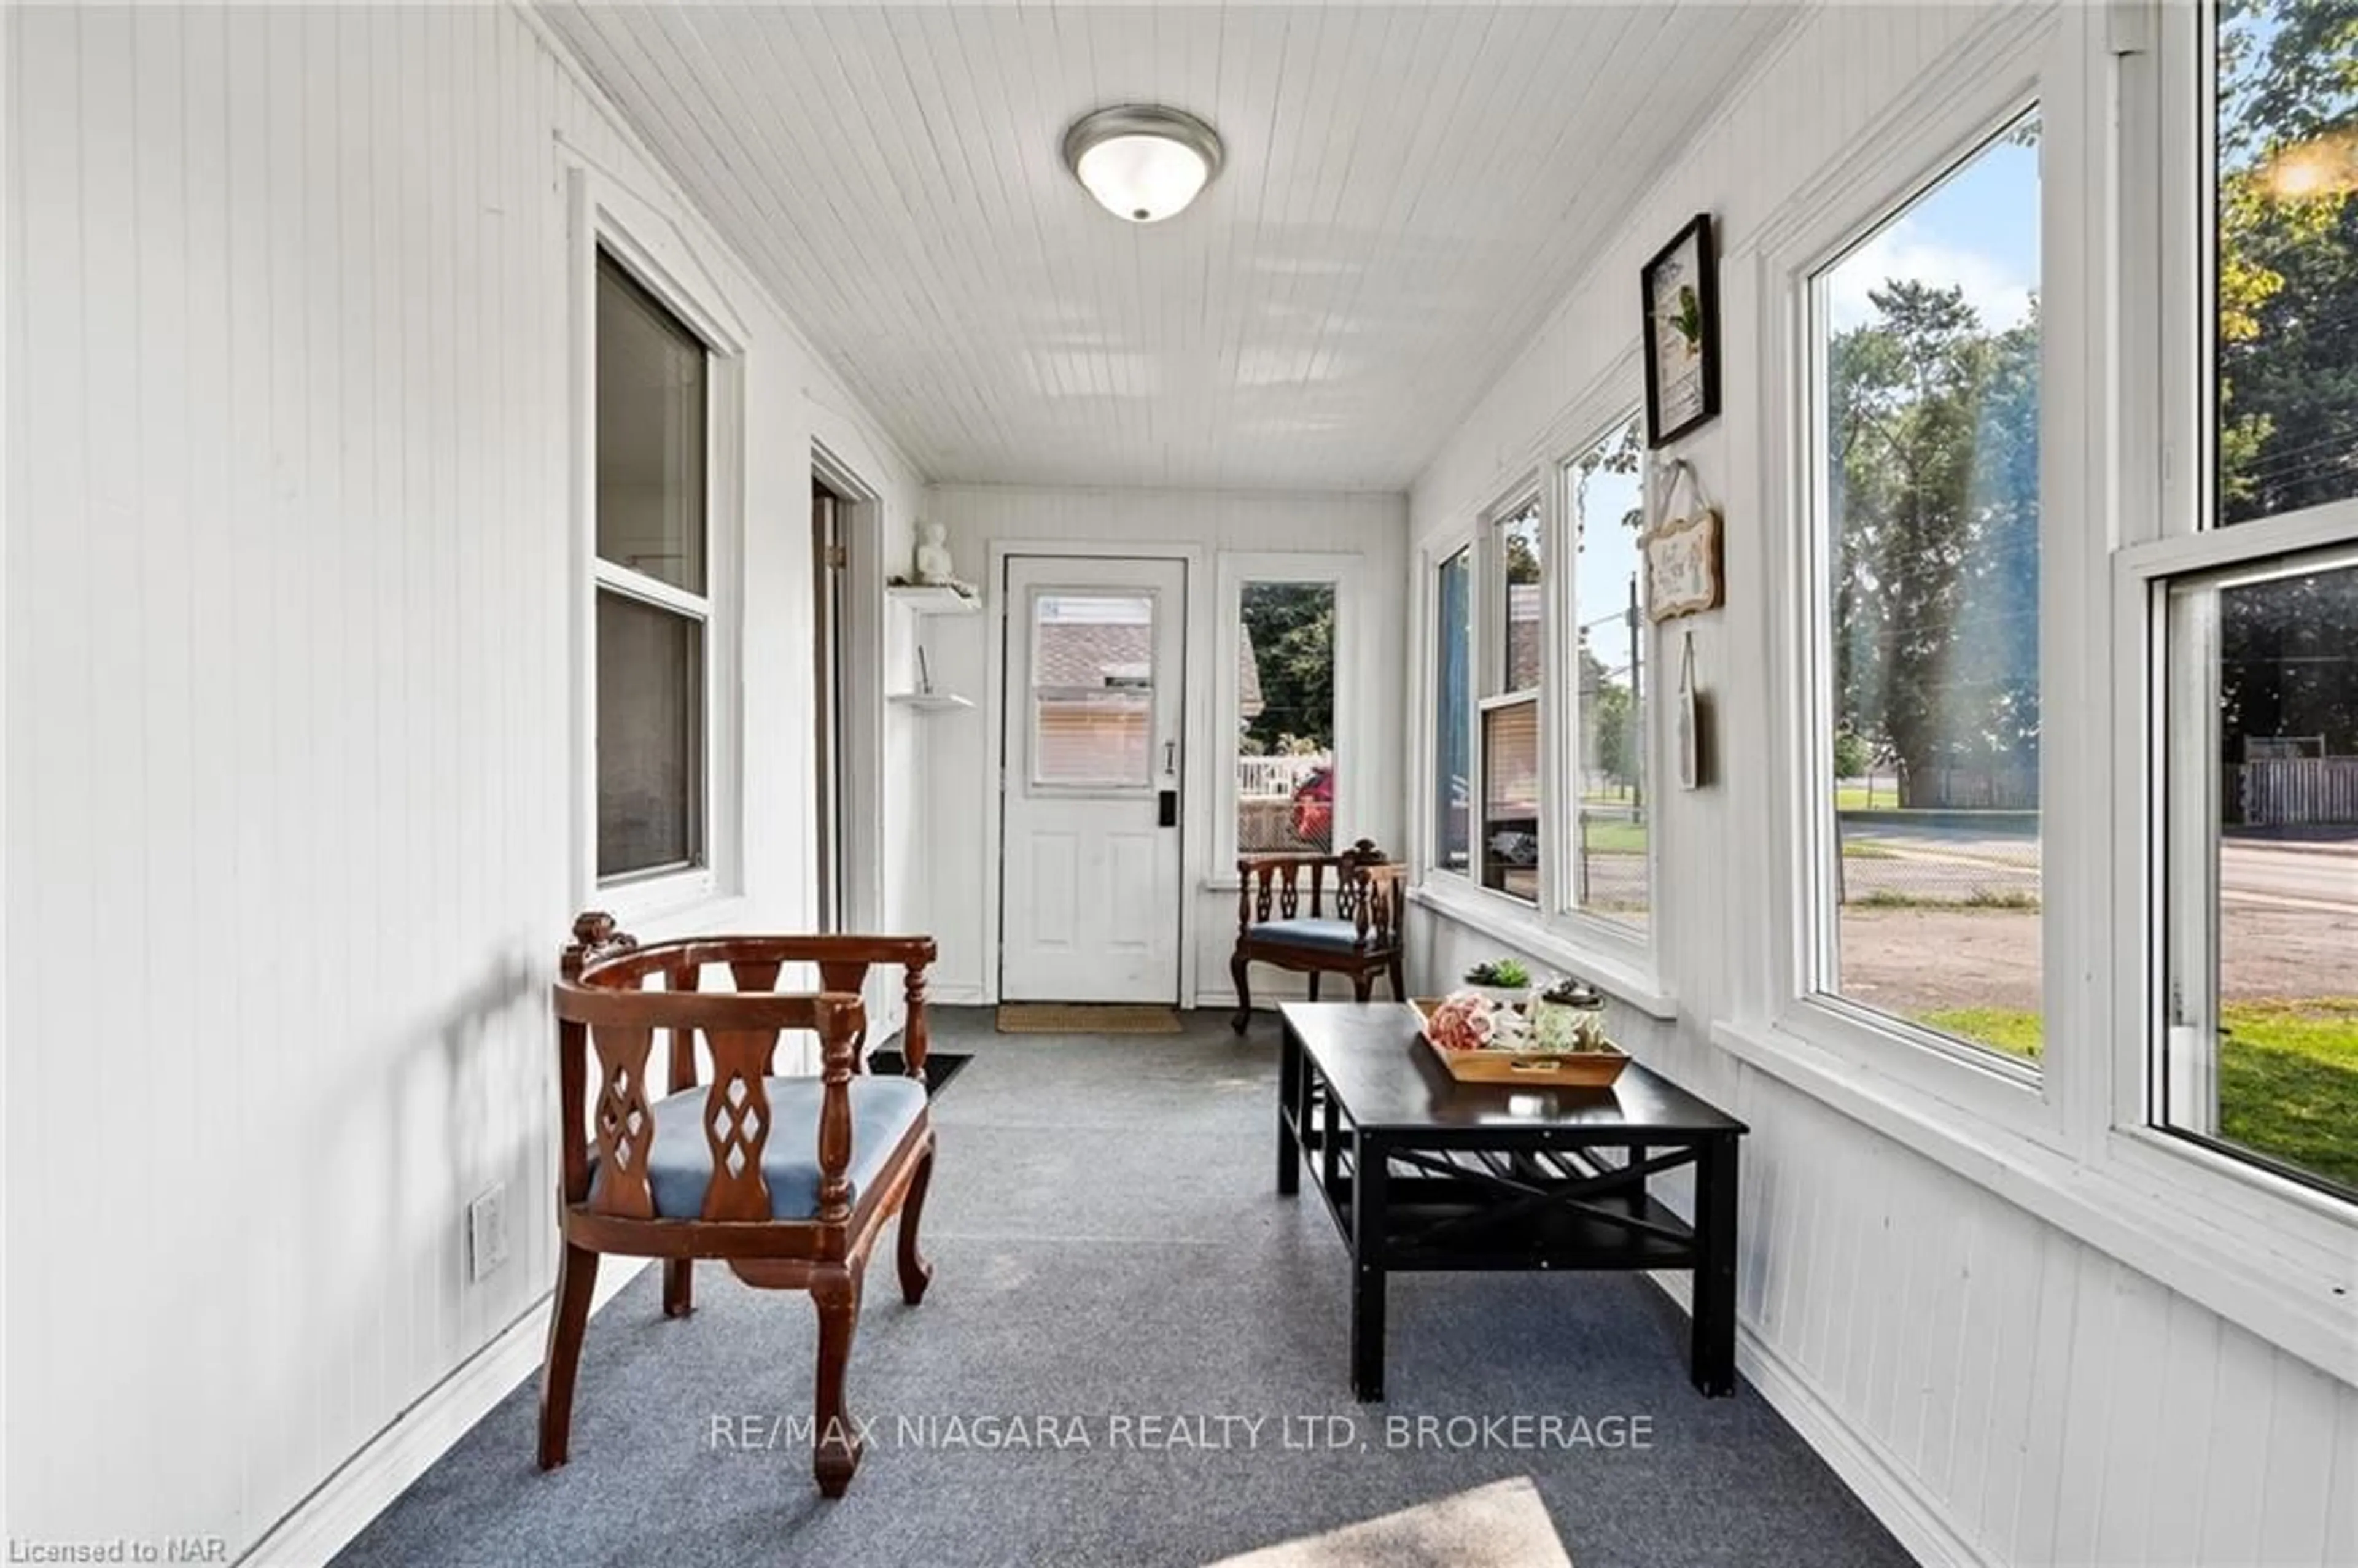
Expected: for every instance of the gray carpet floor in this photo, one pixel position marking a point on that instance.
(1109, 1251)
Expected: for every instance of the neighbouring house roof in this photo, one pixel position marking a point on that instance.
(1111, 653)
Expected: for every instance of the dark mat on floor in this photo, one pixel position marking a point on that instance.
(941, 1067)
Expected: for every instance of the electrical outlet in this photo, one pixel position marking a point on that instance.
(487, 1231)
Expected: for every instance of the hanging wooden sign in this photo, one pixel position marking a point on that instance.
(1692, 724)
(1682, 552)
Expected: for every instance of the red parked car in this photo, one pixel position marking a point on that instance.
(1314, 808)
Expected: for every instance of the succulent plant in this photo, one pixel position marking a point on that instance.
(1572, 991)
(1506, 972)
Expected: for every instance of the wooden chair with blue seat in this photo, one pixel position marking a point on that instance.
(788, 1180)
(1348, 920)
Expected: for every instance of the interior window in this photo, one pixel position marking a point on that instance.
(1285, 718)
(653, 376)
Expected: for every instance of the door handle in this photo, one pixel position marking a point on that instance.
(1170, 757)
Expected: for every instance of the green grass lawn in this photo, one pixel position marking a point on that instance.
(1619, 836)
(1613, 836)
(2287, 1075)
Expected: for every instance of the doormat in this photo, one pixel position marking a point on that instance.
(941, 1067)
(1085, 1018)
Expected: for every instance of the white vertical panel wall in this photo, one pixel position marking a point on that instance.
(2004, 1392)
(288, 748)
(962, 754)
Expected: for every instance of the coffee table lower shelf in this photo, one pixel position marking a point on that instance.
(1466, 1184)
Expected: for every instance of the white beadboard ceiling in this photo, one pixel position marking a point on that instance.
(1408, 190)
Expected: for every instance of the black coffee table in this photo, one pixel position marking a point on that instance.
(1423, 1172)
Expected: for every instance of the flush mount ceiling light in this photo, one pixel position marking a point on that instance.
(1142, 163)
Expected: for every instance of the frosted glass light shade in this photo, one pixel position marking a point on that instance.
(1143, 165)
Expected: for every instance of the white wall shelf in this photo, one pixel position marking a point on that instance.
(932, 599)
(930, 702)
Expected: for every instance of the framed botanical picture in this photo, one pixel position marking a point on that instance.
(1682, 291)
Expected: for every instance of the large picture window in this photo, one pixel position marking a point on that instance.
(653, 605)
(2258, 768)
(1926, 465)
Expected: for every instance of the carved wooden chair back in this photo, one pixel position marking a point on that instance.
(626, 1190)
(608, 1018)
(1366, 890)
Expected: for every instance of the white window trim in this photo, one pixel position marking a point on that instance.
(2166, 98)
(2274, 1256)
(1602, 415)
(1889, 172)
(1619, 958)
(1431, 557)
(606, 216)
(1344, 573)
(1489, 661)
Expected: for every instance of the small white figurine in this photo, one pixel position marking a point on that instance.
(933, 555)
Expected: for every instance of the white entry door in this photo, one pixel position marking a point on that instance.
(1096, 654)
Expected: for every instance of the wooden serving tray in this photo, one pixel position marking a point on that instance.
(1576, 1069)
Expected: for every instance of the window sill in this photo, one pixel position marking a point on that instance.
(1521, 926)
(2298, 1292)
(688, 905)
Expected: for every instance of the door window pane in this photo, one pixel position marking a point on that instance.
(1092, 689)
(1511, 798)
(1285, 718)
(1452, 715)
(651, 435)
(1927, 462)
(2262, 1052)
(1607, 491)
(2284, 270)
(650, 737)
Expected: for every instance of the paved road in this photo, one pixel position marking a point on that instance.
(2324, 876)
(1940, 862)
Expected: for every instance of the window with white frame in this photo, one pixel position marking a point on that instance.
(1284, 712)
(1453, 707)
(654, 602)
(1511, 828)
(2253, 587)
(1604, 513)
(1924, 468)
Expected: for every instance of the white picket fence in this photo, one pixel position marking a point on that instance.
(1272, 778)
(2286, 791)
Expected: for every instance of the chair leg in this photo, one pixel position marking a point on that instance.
(915, 1272)
(679, 1287)
(1399, 989)
(1240, 970)
(577, 1278)
(835, 1451)
(1363, 984)
(1316, 976)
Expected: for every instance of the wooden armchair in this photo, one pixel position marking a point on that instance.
(1360, 938)
(789, 1180)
